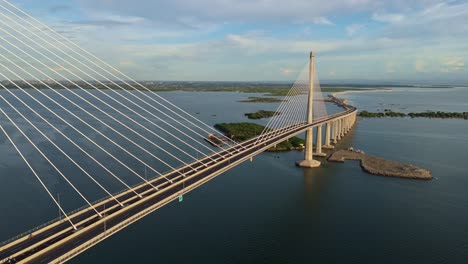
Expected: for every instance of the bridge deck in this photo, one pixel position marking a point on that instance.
(59, 241)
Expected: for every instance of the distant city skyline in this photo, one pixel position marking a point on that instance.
(418, 41)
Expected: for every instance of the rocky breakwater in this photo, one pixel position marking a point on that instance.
(380, 166)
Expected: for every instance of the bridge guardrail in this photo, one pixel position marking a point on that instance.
(349, 109)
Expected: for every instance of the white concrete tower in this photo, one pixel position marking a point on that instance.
(309, 161)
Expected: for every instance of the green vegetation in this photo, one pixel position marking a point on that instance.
(439, 114)
(244, 131)
(261, 114)
(292, 143)
(240, 131)
(428, 114)
(371, 114)
(262, 100)
(386, 113)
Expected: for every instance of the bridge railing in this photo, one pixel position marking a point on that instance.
(34, 229)
(349, 109)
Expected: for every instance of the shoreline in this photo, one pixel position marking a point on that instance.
(363, 91)
(386, 90)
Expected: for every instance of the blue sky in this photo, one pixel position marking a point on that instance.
(248, 40)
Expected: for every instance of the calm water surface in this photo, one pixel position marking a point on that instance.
(270, 211)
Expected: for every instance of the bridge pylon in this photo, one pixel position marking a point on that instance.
(309, 161)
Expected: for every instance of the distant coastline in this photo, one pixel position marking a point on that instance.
(360, 91)
(262, 100)
(265, 88)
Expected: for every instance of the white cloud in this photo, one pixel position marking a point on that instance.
(453, 64)
(388, 18)
(421, 66)
(390, 67)
(216, 11)
(322, 21)
(127, 63)
(261, 56)
(286, 72)
(353, 29)
(434, 21)
(155, 39)
(99, 19)
(242, 41)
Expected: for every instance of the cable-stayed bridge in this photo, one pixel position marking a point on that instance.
(64, 112)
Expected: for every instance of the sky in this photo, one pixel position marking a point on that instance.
(413, 41)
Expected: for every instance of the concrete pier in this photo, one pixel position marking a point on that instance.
(328, 137)
(309, 161)
(348, 124)
(339, 129)
(343, 127)
(335, 132)
(318, 144)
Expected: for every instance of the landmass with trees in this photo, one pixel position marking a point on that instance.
(427, 114)
(261, 100)
(261, 114)
(265, 88)
(244, 131)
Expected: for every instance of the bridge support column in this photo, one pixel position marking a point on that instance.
(343, 127)
(327, 137)
(318, 144)
(347, 125)
(339, 129)
(309, 161)
(335, 132)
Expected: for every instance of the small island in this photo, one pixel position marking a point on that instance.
(262, 100)
(428, 114)
(439, 114)
(244, 131)
(386, 113)
(379, 166)
(261, 114)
